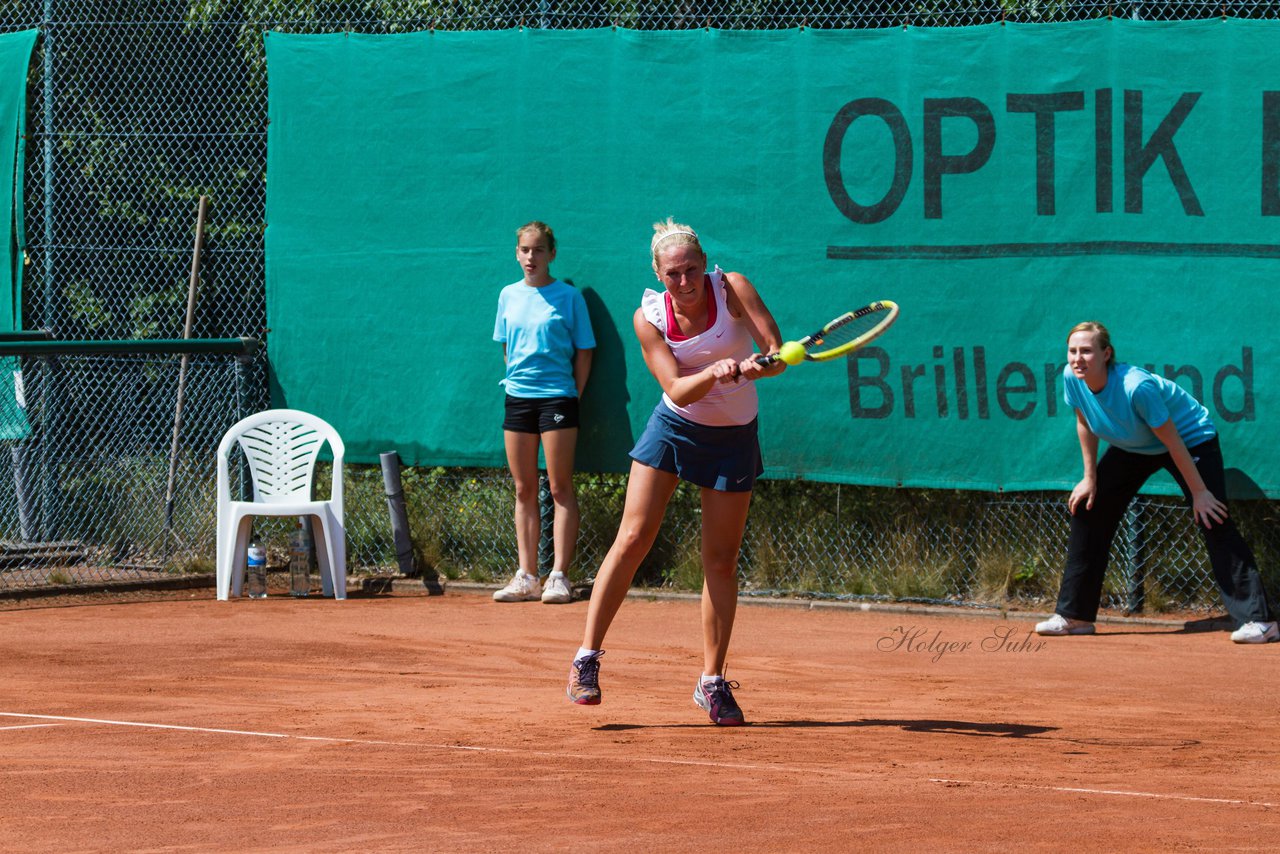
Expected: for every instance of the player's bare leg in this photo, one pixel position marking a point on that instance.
(522, 457)
(724, 519)
(559, 447)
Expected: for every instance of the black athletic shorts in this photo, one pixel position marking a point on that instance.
(540, 414)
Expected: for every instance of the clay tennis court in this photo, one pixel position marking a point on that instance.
(406, 723)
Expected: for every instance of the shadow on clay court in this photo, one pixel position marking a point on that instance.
(1191, 627)
(970, 728)
(965, 728)
(1207, 624)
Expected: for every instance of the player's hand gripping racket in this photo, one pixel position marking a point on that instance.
(840, 337)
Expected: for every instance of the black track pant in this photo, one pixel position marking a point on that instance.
(1120, 475)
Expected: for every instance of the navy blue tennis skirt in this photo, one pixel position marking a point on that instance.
(721, 458)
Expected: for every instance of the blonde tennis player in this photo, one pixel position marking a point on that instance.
(698, 336)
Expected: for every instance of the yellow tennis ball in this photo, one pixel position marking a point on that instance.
(791, 353)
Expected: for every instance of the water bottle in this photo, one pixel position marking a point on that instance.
(256, 572)
(300, 560)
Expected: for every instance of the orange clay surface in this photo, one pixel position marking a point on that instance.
(406, 723)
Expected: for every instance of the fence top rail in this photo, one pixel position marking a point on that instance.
(245, 346)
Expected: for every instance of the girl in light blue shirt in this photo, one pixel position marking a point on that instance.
(547, 344)
(1149, 423)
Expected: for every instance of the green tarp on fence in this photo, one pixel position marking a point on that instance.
(1001, 183)
(15, 58)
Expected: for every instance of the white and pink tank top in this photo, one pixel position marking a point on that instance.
(726, 404)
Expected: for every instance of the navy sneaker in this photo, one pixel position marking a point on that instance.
(716, 698)
(584, 680)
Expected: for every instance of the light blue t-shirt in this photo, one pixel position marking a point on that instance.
(1131, 403)
(542, 328)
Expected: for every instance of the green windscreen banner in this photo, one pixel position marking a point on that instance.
(1001, 183)
(15, 59)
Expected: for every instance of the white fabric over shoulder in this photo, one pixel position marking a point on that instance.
(655, 309)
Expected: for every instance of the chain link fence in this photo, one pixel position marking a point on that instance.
(136, 110)
(84, 487)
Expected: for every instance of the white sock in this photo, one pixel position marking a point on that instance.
(711, 678)
(554, 573)
(583, 652)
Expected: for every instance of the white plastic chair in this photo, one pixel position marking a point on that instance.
(281, 446)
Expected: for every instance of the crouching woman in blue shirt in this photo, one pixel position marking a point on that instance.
(1149, 423)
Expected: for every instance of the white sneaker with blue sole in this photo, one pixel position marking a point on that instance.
(1256, 633)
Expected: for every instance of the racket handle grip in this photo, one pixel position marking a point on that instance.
(759, 358)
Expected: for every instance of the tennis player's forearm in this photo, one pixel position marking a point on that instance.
(1088, 452)
(691, 389)
(1190, 473)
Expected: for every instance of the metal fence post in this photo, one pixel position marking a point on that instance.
(22, 492)
(47, 149)
(50, 435)
(1135, 522)
(241, 369)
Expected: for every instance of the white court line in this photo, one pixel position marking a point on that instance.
(739, 766)
(416, 744)
(1119, 792)
(27, 726)
(429, 746)
(138, 724)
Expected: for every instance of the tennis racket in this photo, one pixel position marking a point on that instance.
(839, 337)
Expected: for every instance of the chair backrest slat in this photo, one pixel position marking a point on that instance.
(281, 453)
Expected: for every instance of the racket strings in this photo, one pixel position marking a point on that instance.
(849, 328)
